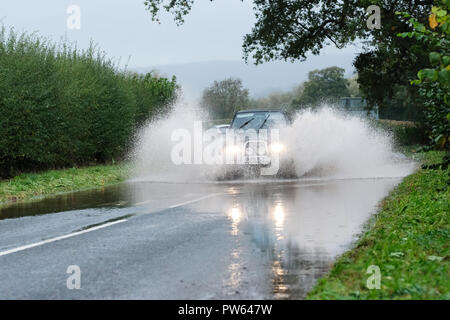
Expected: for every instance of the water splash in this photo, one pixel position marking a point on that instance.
(326, 142)
(323, 143)
(152, 152)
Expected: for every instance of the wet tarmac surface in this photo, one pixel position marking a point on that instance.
(235, 240)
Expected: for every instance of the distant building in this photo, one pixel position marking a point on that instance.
(358, 107)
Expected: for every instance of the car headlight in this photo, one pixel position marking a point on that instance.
(233, 149)
(276, 147)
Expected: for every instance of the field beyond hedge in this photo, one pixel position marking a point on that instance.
(61, 107)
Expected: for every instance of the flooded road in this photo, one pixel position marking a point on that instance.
(146, 240)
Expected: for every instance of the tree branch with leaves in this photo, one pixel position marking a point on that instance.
(434, 81)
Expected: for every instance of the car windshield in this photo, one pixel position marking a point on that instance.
(259, 120)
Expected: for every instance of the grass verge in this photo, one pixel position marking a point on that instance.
(408, 239)
(31, 185)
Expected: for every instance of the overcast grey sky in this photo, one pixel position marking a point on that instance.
(123, 28)
(213, 32)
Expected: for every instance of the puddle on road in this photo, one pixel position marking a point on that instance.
(112, 196)
(156, 195)
(298, 227)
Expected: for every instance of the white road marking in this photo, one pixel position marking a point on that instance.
(195, 200)
(143, 202)
(36, 244)
(70, 235)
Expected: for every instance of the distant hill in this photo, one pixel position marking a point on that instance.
(260, 80)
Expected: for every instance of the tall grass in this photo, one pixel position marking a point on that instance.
(60, 106)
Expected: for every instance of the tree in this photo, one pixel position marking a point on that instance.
(290, 29)
(384, 74)
(434, 81)
(353, 86)
(223, 98)
(326, 85)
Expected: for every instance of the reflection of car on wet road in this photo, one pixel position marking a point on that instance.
(149, 240)
(258, 141)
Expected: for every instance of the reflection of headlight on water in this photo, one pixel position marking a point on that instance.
(278, 215)
(276, 147)
(235, 214)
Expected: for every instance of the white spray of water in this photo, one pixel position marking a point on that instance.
(323, 143)
(152, 154)
(329, 143)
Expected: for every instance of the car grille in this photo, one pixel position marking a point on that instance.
(255, 148)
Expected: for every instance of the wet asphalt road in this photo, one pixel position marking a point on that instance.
(146, 240)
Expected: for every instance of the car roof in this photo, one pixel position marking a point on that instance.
(260, 110)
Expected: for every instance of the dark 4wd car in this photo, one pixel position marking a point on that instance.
(258, 142)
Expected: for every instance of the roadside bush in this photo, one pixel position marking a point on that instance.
(153, 95)
(63, 107)
(434, 82)
(97, 109)
(405, 133)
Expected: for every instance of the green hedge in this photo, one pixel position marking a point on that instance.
(61, 107)
(405, 133)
